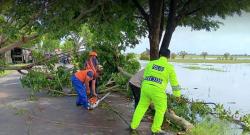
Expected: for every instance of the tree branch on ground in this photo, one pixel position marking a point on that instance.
(21, 72)
(26, 67)
(170, 115)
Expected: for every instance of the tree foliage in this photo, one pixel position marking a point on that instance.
(144, 56)
(197, 14)
(173, 55)
(183, 54)
(226, 55)
(204, 54)
(121, 22)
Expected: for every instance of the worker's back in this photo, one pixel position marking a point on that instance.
(81, 75)
(157, 73)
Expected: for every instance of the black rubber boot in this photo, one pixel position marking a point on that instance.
(133, 131)
(162, 132)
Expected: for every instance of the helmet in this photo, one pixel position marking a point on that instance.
(93, 53)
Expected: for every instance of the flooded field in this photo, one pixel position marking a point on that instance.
(227, 84)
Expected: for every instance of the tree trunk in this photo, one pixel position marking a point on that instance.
(162, 21)
(155, 24)
(171, 25)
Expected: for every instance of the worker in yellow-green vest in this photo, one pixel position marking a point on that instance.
(156, 76)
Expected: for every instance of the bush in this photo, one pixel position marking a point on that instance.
(144, 56)
(173, 55)
(38, 81)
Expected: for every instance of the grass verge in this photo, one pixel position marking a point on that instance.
(209, 61)
(4, 73)
(204, 68)
(211, 127)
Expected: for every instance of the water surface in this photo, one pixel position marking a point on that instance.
(230, 88)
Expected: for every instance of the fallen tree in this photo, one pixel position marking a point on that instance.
(19, 43)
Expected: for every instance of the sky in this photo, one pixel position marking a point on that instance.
(233, 37)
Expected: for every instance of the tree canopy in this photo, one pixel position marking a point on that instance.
(112, 22)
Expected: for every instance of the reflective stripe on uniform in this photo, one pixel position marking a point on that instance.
(157, 67)
(153, 79)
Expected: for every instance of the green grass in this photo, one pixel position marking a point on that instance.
(211, 127)
(209, 61)
(19, 65)
(203, 68)
(4, 73)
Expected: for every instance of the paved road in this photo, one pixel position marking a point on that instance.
(51, 115)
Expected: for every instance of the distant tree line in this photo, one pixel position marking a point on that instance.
(226, 56)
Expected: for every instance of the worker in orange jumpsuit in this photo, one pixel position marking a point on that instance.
(80, 81)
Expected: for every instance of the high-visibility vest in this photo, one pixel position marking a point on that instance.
(81, 75)
(159, 73)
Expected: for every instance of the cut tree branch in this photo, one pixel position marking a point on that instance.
(27, 67)
(170, 115)
(15, 68)
(124, 72)
(21, 72)
(19, 43)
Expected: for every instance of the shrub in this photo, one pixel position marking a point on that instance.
(144, 56)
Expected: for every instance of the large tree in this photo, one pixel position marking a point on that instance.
(123, 22)
(163, 16)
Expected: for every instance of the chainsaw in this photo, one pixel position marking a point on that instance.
(94, 101)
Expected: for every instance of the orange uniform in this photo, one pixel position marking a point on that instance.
(78, 82)
(81, 75)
